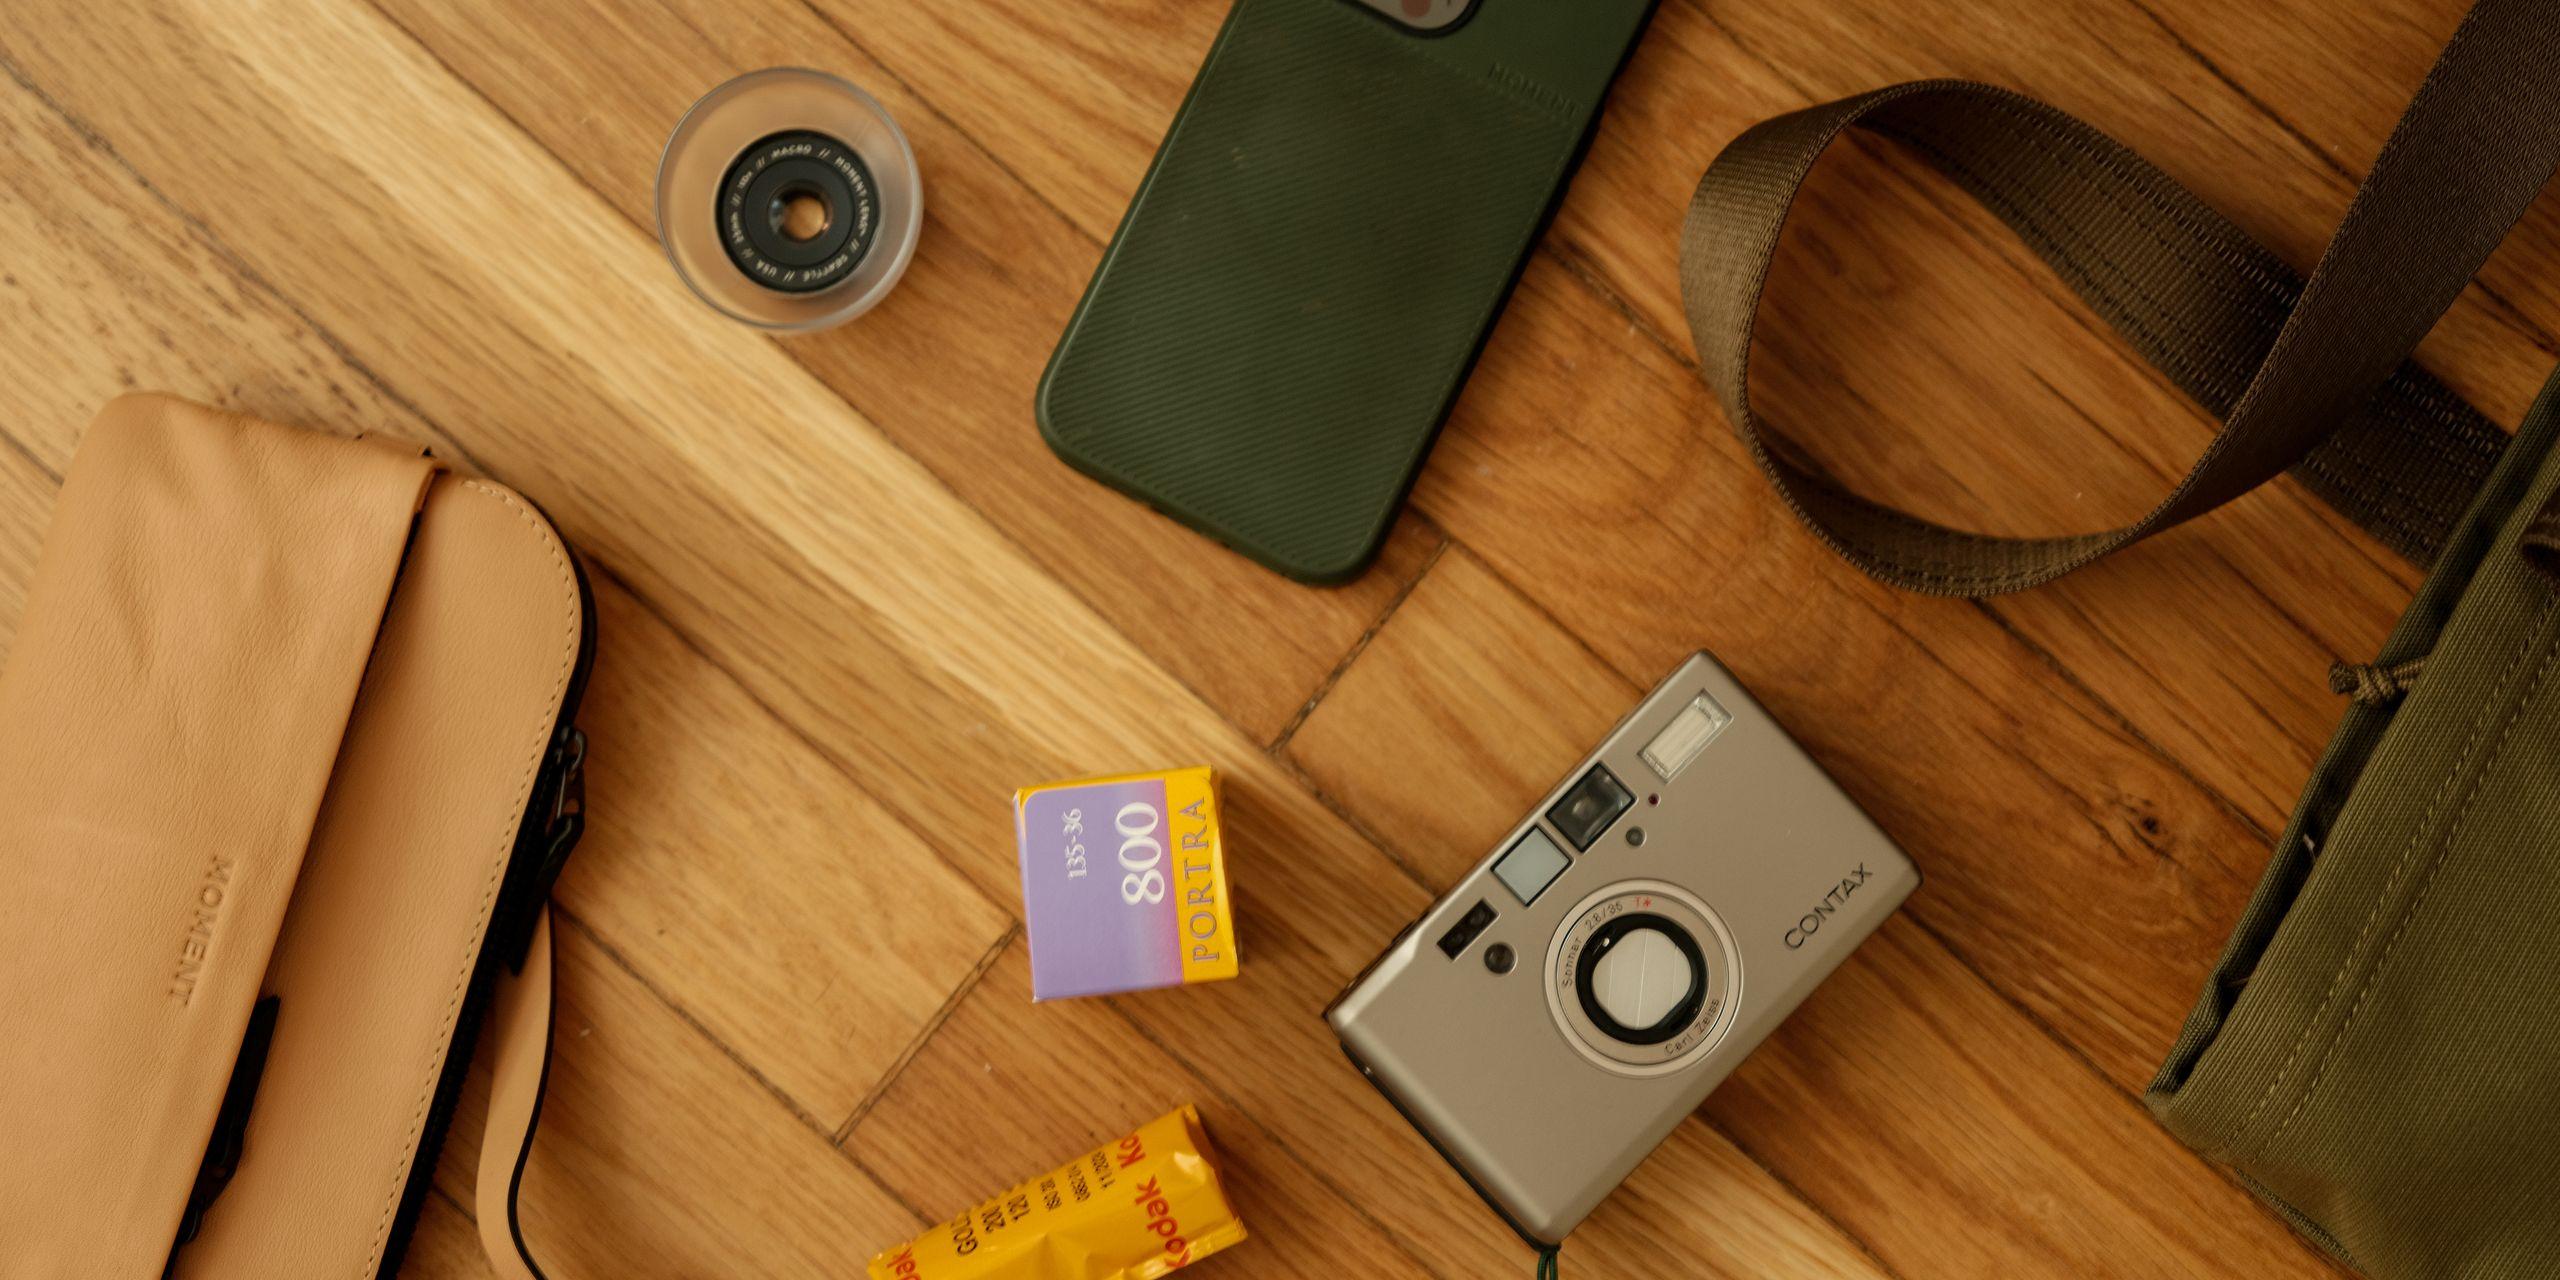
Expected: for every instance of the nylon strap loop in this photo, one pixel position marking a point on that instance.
(2309, 376)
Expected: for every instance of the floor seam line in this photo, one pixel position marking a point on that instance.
(1360, 646)
(969, 983)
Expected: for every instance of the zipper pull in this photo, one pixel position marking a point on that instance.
(231, 1123)
(560, 803)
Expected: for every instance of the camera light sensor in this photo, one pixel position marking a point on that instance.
(1688, 734)
(1530, 867)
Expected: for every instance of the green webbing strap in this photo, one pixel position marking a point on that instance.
(2540, 543)
(2285, 364)
(1547, 1267)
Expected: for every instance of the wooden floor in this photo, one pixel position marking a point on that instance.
(849, 602)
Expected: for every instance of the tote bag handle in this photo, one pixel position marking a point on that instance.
(2304, 375)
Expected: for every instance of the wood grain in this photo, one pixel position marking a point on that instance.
(949, 368)
(849, 602)
(1828, 1104)
(971, 1113)
(750, 955)
(447, 1243)
(660, 1155)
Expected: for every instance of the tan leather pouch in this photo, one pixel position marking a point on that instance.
(286, 763)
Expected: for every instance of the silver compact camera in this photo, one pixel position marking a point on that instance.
(1551, 1019)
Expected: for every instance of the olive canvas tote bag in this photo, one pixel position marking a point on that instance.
(2377, 1054)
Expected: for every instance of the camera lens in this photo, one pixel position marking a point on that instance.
(1589, 806)
(798, 211)
(1641, 979)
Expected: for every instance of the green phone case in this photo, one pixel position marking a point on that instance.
(1314, 259)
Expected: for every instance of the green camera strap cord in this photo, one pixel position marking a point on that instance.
(2309, 376)
(1547, 1267)
(2377, 1053)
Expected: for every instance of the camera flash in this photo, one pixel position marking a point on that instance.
(1688, 734)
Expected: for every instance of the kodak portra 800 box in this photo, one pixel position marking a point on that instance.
(1124, 884)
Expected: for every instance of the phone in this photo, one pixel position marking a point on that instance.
(1548, 1021)
(1312, 263)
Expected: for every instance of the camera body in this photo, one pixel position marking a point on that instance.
(1551, 1019)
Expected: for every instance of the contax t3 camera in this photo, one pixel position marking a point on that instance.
(1549, 1021)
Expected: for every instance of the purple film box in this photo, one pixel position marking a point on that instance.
(1124, 883)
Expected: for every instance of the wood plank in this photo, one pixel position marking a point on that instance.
(735, 910)
(1960, 378)
(850, 603)
(738, 496)
(970, 1114)
(26, 494)
(1702, 74)
(946, 368)
(802, 924)
(660, 1156)
(682, 1093)
(856, 650)
(2111, 62)
(1071, 98)
(1937, 328)
(1438, 690)
(781, 533)
(2274, 112)
(1977, 1125)
(1876, 1098)
(2115, 991)
(2184, 687)
(446, 1246)
(1982, 758)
